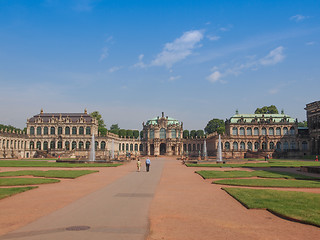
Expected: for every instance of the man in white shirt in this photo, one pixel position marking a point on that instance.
(148, 164)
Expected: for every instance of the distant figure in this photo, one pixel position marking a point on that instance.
(148, 164)
(316, 158)
(138, 165)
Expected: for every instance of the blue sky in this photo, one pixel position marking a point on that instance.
(132, 60)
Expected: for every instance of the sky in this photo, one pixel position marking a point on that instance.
(132, 60)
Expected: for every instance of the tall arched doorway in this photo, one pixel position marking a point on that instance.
(151, 149)
(163, 149)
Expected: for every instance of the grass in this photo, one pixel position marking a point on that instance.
(245, 174)
(20, 163)
(270, 183)
(299, 206)
(272, 163)
(7, 192)
(25, 181)
(48, 174)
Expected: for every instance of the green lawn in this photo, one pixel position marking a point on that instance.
(270, 183)
(272, 163)
(303, 207)
(26, 181)
(206, 174)
(7, 192)
(20, 163)
(48, 174)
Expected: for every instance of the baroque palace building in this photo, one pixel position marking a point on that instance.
(246, 135)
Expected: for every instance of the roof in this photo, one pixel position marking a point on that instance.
(154, 121)
(73, 117)
(274, 118)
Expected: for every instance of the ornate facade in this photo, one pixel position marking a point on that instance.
(313, 118)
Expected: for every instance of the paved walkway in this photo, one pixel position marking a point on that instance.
(117, 211)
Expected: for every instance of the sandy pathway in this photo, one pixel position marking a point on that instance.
(187, 207)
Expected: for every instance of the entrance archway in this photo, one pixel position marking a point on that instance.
(151, 149)
(163, 149)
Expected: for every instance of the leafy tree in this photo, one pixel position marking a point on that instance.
(267, 110)
(193, 133)
(186, 134)
(122, 132)
(115, 131)
(114, 127)
(215, 125)
(10, 128)
(101, 125)
(303, 124)
(200, 133)
(129, 133)
(135, 134)
(141, 134)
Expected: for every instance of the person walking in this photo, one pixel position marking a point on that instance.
(148, 164)
(138, 165)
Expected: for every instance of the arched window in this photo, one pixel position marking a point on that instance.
(31, 145)
(249, 131)
(189, 147)
(38, 130)
(173, 133)
(278, 131)
(285, 131)
(264, 131)
(45, 145)
(278, 146)
(59, 130)
(127, 147)
(194, 147)
(271, 131)
(304, 145)
(285, 145)
(234, 131)
(136, 147)
(151, 134)
(59, 144)
(103, 145)
(74, 145)
(184, 147)
(52, 145)
(67, 131)
(242, 146)
(264, 145)
(131, 147)
(96, 145)
(123, 147)
(81, 130)
(242, 131)
(141, 147)
(271, 145)
(227, 146)
(256, 146)
(80, 145)
(249, 146)
(235, 146)
(87, 145)
(292, 145)
(52, 131)
(67, 145)
(256, 131)
(39, 145)
(74, 131)
(119, 147)
(162, 133)
(292, 131)
(45, 131)
(198, 147)
(88, 130)
(31, 130)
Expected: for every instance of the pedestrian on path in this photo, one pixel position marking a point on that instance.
(148, 164)
(138, 165)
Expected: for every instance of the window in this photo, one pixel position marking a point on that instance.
(242, 146)
(264, 131)
(264, 145)
(59, 130)
(103, 145)
(304, 145)
(74, 144)
(80, 145)
(189, 147)
(184, 147)
(278, 131)
(285, 146)
(173, 133)
(235, 146)
(59, 144)
(31, 130)
(285, 131)
(67, 131)
(234, 131)
(151, 134)
(292, 145)
(256, 131)
(292, 131)
(131, 147)
(141, 147)
(271, 131)
(127, 147)
(119, 146)
(162, 133)
(52, 131)
(249, 131)
(45, 145)
(88, 130)
(278, 146)
(227, 146)
(52, 145)
(256, 146)
(74, 131)
(39, 131)
(136, 147)
(194, 147)
(271, 145)
(45, 131)
(242, 131)
(39, 145)
(31, 145)
(67, 145)
(249, 145)
(81, 130)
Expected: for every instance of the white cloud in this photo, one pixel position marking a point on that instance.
(213, 38)
(310, 43)
(298, 18)
(173, 78)
(140, 64)
(104, 54)
(179, 49)
(84, 5)
(114, 69)
(274, 57)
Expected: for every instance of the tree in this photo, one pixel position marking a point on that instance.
(114, 127)
(101, 125)
(135, 134)
(200, 133)
(193, 133)
(303, 124)
(215, 125)
(122, 132)
(267, 110)
(186, 134)
(141, 134)
(129, 133)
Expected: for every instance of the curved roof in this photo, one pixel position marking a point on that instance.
(154, 121)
